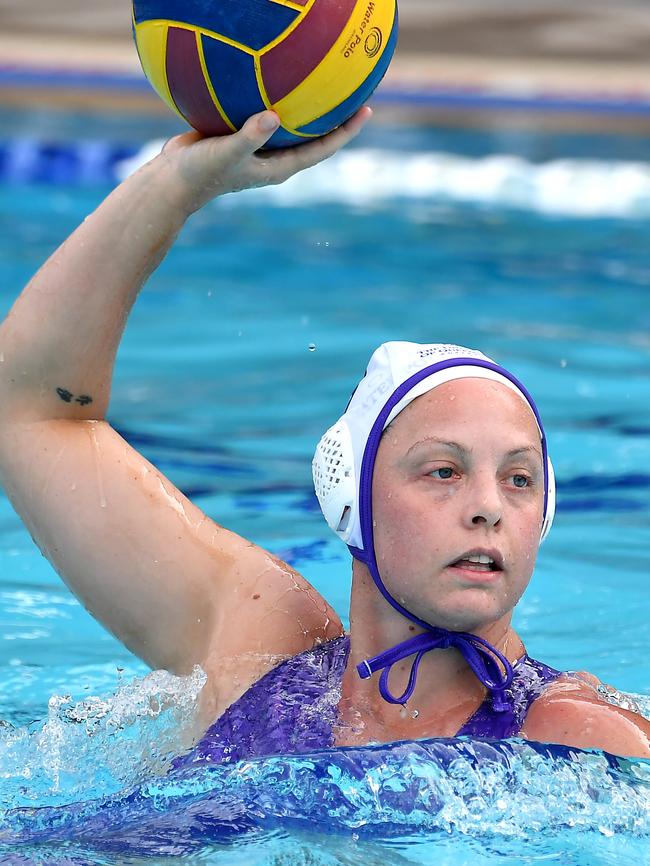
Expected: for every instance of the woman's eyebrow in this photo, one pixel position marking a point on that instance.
(455, 446)
(527, 449)
(434, 440)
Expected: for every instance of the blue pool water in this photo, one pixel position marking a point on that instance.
(241, 351)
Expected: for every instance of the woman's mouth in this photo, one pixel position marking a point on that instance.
(475, 565)
(479, 562)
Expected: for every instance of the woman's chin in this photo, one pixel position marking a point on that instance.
(474, 619)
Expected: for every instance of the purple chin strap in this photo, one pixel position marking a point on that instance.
(480, 655)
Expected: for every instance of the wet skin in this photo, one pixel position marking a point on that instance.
(458, 471)
(178, 589)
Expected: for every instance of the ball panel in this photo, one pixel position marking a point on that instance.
(234, 80)
(151, 41)
(187, 83)
(347, 108)
(285, 138)
(323, 58)
(253, 23)
(353, 58)
(290, 61)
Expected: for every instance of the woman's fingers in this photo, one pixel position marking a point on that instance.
(252, 136)
(259, 128)
(214, 165)
(282, 164)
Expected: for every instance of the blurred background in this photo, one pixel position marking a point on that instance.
(459, 61)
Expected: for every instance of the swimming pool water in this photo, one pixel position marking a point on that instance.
(241, 351)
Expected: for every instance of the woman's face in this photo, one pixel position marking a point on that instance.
(459, 473)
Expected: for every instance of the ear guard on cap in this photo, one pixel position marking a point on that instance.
(335, 480)
(337, 485)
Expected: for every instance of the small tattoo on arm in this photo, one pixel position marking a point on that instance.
(69, 397)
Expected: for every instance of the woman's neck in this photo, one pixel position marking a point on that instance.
(447, 691)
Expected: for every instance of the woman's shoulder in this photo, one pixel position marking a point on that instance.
(573, 711)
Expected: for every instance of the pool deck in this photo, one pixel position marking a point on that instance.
(574, 63)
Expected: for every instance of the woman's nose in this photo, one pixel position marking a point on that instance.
(484, 503)
(487, 516)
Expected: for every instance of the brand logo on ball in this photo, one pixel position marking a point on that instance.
(374, 41)
(217, 62)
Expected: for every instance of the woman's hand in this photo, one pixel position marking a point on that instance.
(207, 167)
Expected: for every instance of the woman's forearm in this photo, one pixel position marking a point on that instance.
(58, 343)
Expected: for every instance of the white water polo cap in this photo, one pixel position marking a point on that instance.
(398, 372)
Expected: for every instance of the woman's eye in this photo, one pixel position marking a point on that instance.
(520, 481)
(446, 472)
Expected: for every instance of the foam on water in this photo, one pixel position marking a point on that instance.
(96, 775)
(98, 746)
(577, 188)
(508, 790)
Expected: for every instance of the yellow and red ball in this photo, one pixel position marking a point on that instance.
(217, 62)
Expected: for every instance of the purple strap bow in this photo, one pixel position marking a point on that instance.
(480, 655)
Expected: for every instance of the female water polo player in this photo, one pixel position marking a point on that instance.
(437, 477)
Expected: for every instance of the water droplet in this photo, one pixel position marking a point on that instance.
(563, 362)
(312, 347)
(415, 714)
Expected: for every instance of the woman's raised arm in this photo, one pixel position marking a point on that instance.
(172, 585)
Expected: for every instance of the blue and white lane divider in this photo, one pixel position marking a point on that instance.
(576, 188)
(18, 76)
(26, 160)
(534, 102)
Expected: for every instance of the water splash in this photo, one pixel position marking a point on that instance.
(96, 777)
(507, 790)
(98, 746)
(634, 703)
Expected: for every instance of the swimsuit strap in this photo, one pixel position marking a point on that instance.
(530, 680)
(293, 708)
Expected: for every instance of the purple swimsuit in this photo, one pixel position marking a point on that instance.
(293, 708)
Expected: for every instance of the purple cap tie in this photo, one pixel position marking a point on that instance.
(479, 654)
